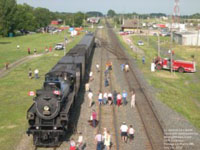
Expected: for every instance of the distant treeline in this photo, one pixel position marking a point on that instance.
(112, 13)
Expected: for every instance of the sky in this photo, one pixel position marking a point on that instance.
(187, 7)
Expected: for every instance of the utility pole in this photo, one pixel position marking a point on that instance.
(170, 51)
(198, 38)
(84, 22)
(64, 45)
(158, 45)
(138, 21)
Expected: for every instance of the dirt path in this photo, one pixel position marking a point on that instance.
(5, 71)
(128, 41)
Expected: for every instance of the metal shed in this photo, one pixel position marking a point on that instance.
(188, 38)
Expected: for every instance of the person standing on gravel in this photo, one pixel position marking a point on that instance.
(87, 87)
(133, 99)
(98, 140)
(90, 97)
(94, 118)
(119, 99)
(110, 98)
(115, 97)
(127, 68)
(107, 140)
(131, 133)
(91, 76)
(72, 144)
(122, 67)
(124, 132)
(105, 98)
(124, 97)
(80, 143)
(97, 67)
(100, 98)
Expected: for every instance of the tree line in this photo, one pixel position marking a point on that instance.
(22, 17)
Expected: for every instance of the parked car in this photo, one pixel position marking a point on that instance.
(123, 33)
(59, 46)
(140, 43)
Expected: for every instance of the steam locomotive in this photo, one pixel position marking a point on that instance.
(48, 117)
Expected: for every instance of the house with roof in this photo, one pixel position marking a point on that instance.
(130, 25)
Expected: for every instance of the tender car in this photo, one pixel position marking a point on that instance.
(59, 46)
(140, 43)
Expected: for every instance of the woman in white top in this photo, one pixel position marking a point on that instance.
(133, 100)
(90, 97)
(91, 76)
(107, 140)
(105, 98)
(80, 141)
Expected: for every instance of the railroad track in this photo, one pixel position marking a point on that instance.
(152, 124)
(52, 148)
(107, 116)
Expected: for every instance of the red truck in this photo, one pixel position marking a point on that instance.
(178, 65)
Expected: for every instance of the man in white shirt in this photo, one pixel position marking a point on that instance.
(131, 133)
(124, 131)
(91, 76)
(36, 71)
(100, 98)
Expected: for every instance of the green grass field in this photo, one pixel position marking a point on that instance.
(14, 99)
(10, 53)
(180, 91)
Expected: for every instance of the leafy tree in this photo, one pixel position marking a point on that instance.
(43, 16)
(78, 19)
(69, 20)
(111, 13)
(7, 12)
(25, 19)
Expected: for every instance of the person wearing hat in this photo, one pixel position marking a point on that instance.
(124, 132)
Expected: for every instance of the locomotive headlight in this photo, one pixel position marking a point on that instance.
(37, 127)
(46, 108)
(55, 128)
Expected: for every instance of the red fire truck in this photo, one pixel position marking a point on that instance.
(177, 65)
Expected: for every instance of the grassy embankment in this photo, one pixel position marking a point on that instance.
(180, 91)
(14, 99)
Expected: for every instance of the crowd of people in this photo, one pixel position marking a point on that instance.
(111, 98)
(46, 49)
(116, 98)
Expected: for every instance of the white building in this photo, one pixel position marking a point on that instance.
(188, 38)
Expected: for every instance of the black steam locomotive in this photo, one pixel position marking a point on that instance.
(48, 117)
